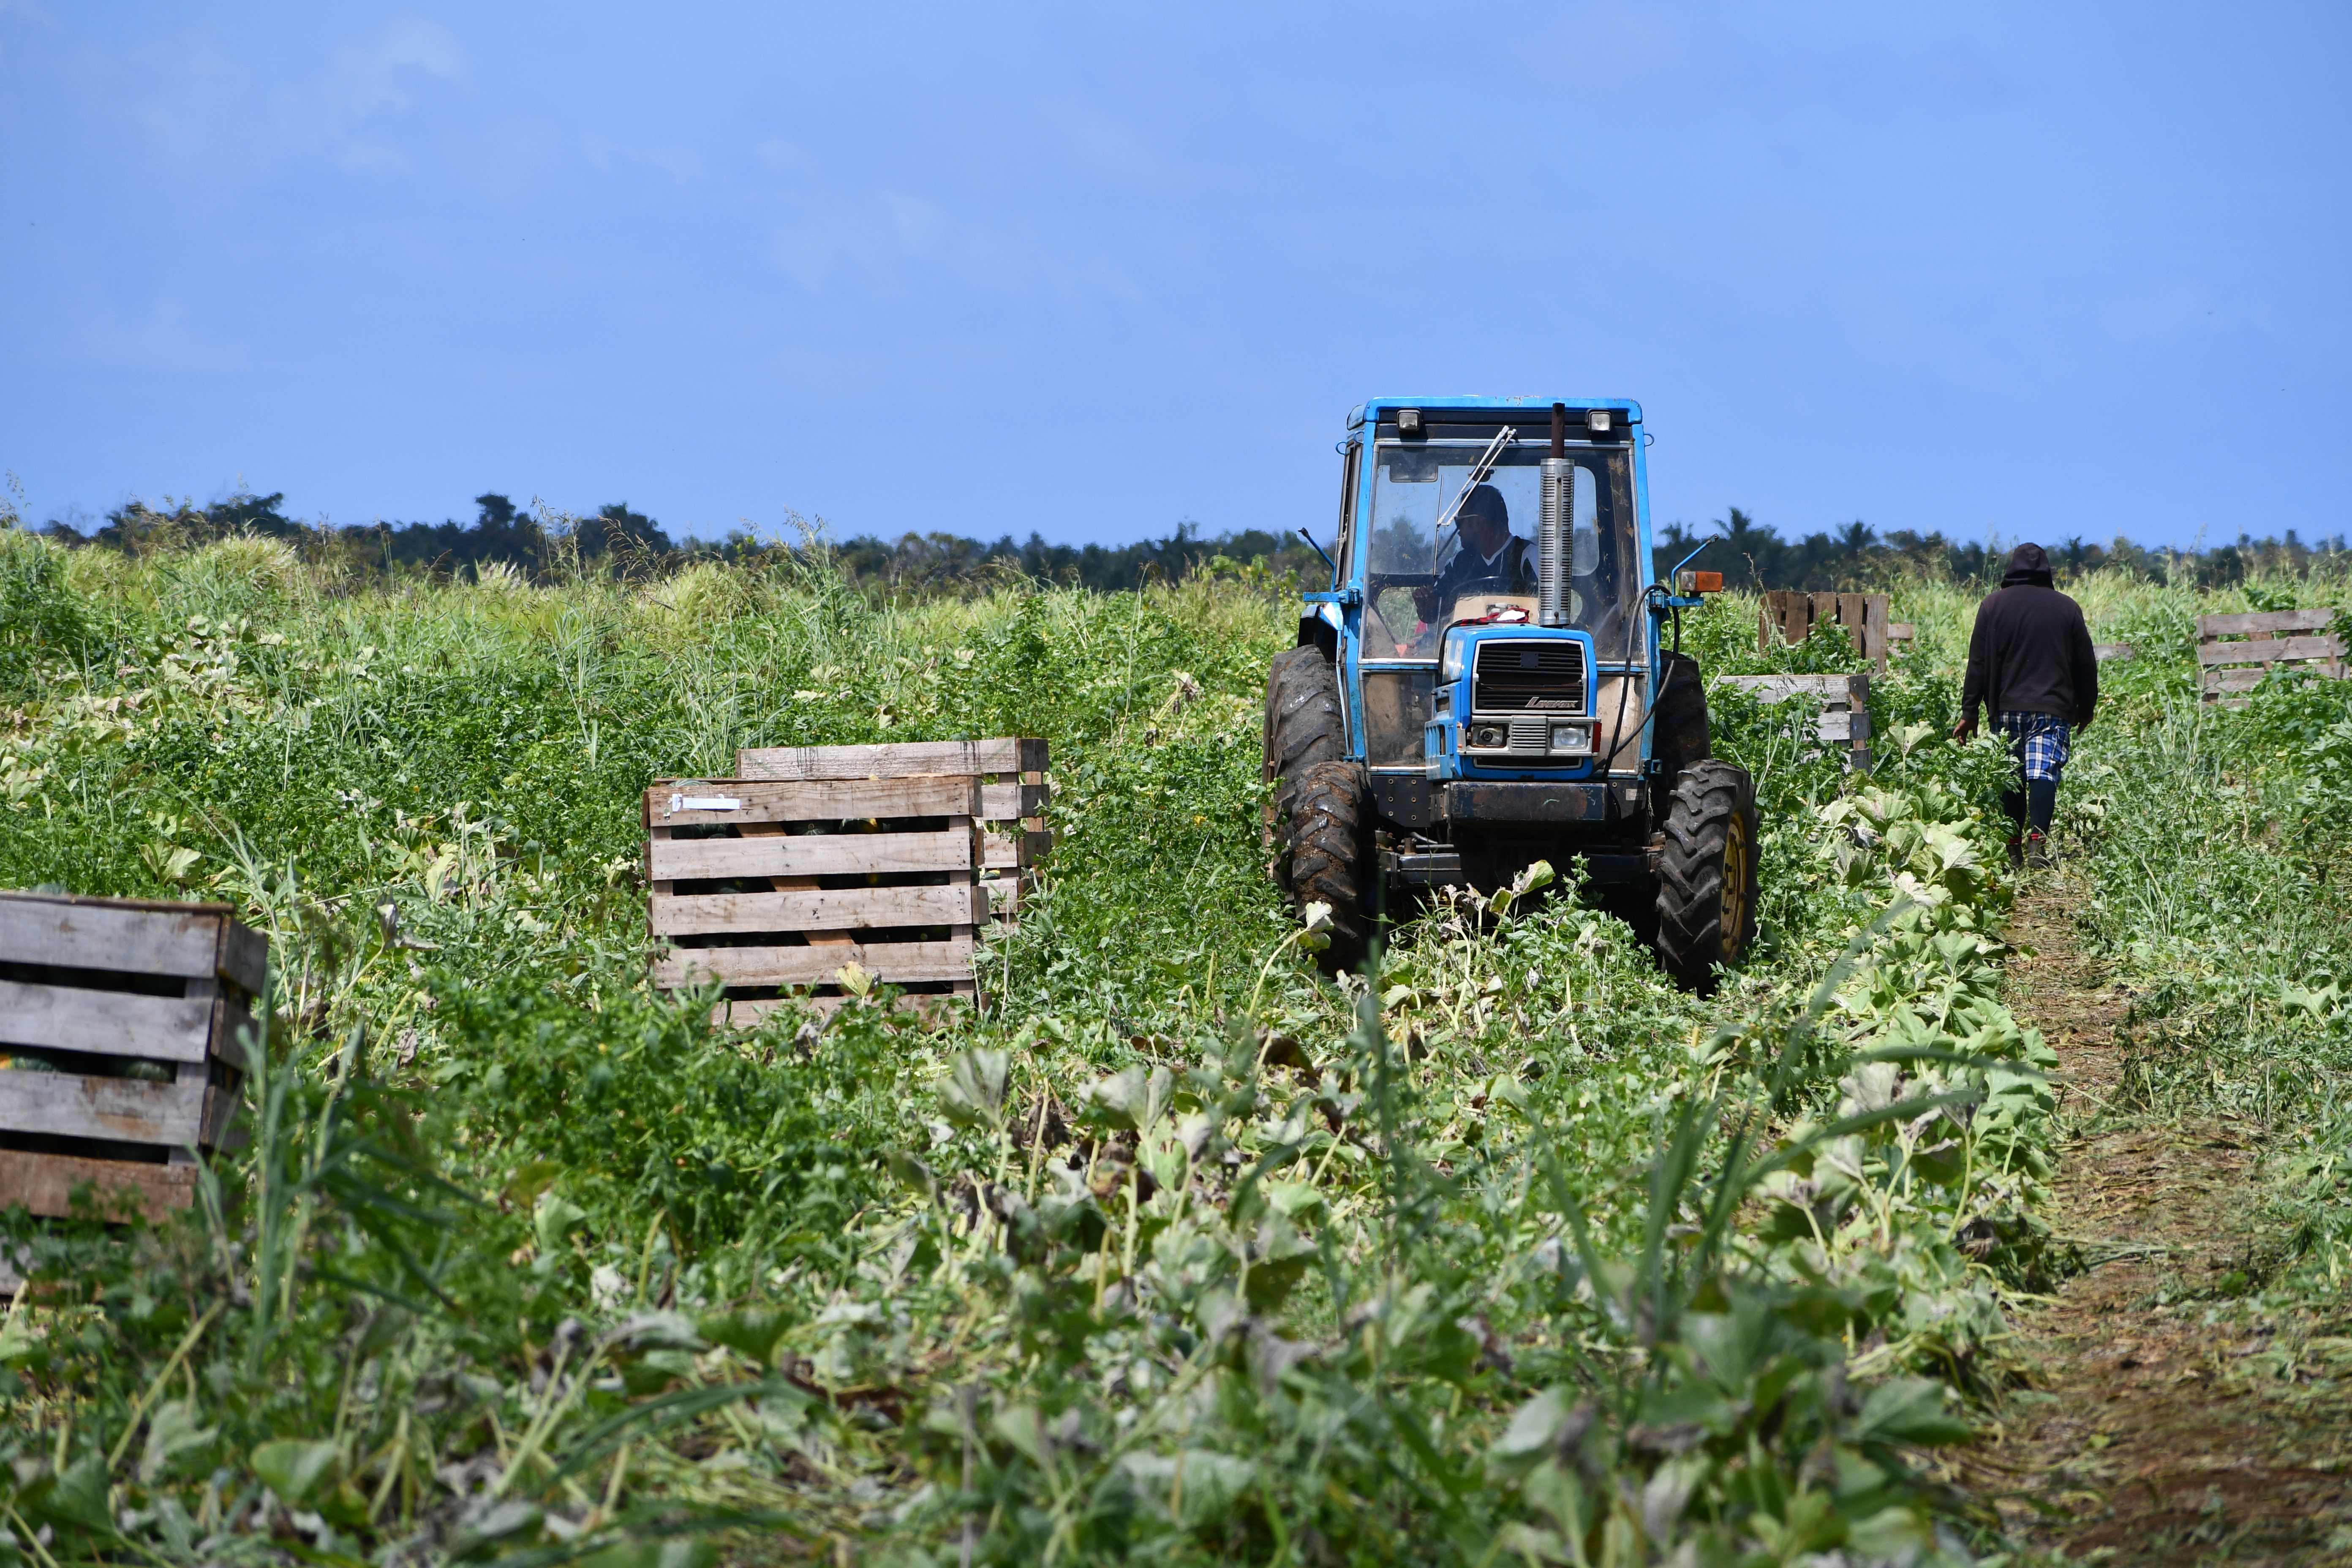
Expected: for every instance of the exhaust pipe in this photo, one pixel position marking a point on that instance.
(1554, 521)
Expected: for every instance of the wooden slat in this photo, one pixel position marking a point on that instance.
(837, 909)
(891, 760)
(2265, 652)
(44, 1183)
(1845, 726)
(1005, 802)
(146, 939)
(890, 960)
(244, 957)
(1790, 615)
(109, 1023)
(832, 800)
(1003, 895)
(229, 1018)
(2265, 621)
(2245, 678)
(67, 1105)
(745, 1013)
(221, 1103)
(1826, 608)
(807, 855)
(1004, 852)
(1852, 690)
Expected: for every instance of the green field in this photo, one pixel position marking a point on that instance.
(1511, 1252)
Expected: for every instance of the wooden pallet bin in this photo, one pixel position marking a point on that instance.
(889, 857)
(1844, 703)
(1014, 793)
(88, 987)
(1789, 616)
(2236, 651)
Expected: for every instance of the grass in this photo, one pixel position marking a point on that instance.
(1179, 1254)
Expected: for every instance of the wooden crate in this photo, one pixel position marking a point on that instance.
(88, 986)
(2236, 651)
(1789, 616)
(1845, 701)
(1014, 793)
(890, 857)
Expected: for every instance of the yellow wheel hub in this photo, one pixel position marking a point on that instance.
(1736, 851)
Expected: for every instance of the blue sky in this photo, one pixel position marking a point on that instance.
(1092, 270)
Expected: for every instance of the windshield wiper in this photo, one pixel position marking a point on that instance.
(1478, 472)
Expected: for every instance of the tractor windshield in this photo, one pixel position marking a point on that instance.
(1417, 576)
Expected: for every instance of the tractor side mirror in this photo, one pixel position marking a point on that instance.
(1689, 584)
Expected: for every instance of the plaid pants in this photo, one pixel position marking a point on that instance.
(2041, 742)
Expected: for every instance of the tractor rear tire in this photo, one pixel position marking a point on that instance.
(1680, 736)
(1707, 882)
(1325, 855)
(1303, 727)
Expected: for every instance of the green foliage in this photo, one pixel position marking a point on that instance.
(2219, 839)
(1179, 1252)
(42, 622)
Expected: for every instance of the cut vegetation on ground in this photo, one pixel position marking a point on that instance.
(1515, 1253)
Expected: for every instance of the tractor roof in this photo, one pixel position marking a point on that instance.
(1629, 411)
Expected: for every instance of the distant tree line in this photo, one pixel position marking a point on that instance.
(1751, 555)
(501, 535)
(626, 542)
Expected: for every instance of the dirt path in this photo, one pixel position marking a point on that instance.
(2167, 1421)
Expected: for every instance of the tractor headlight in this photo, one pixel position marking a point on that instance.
(1490, 735)
(1572, 738)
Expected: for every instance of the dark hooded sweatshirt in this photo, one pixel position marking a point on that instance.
(2031, 652)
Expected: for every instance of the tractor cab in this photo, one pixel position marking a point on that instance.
(1485, 668)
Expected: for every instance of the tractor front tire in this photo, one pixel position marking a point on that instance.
(1706, 882)
(1325, 855)
(1303, 727)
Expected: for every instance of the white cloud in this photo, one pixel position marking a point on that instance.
(365, 81)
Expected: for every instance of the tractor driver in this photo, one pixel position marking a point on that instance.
(1490, 553)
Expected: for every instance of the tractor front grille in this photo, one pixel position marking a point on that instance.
(1533, 675)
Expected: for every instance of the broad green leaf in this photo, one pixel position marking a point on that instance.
(1533, 1426)
(77, 1496)
(1135, 1097)
(554, 1219)
(1909, 1410)
(749, 1332)
(912, 1171)
(1019, 1426)
(292, 1467)
(973, 1093)
(173, 1434)
(523, 1188)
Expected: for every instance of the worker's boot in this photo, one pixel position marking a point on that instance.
(2038, 853)
(2017, 854)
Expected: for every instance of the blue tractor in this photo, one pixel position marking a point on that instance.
(1484, 686)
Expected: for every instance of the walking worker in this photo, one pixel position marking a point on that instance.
(2030, 665)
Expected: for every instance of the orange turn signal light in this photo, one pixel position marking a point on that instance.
(1700, 583)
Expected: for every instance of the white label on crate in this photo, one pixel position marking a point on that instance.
(705, 802)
